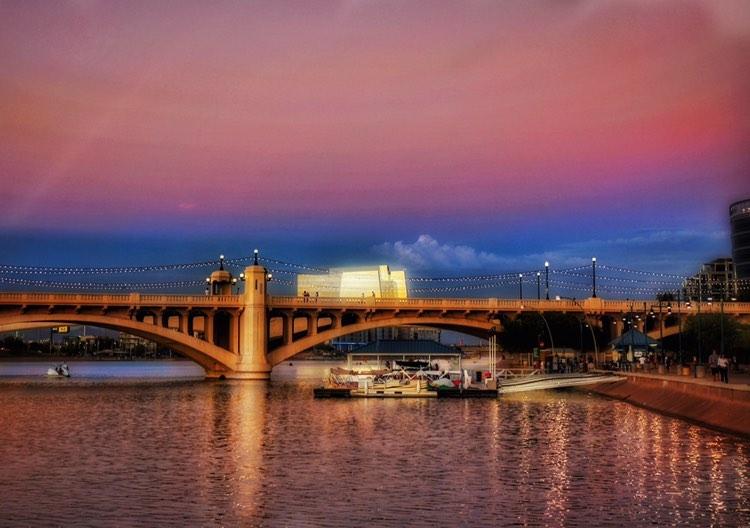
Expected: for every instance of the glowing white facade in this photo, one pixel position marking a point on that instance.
(355, 282)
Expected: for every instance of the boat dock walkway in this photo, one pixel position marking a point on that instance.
(507, 386)
(552, 381)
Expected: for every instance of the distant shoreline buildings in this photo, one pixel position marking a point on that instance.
(739, 218)
(727, 277)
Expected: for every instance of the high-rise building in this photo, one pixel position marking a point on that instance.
(739, 218)
(715, 279)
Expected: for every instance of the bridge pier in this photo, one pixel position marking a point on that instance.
(252, 359)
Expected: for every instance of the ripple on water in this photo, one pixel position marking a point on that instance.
(230, 453)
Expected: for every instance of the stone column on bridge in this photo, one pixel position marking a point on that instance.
(288, 330)
(252, 361)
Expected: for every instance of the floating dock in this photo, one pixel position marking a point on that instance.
(332, 392)
(553, 381)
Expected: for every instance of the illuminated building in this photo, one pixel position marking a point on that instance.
(739, 218)
(381, 281)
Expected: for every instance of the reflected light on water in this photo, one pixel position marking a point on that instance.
(245, 453)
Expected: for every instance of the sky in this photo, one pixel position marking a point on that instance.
(447, 137)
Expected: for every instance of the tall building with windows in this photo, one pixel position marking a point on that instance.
(714, 279)
(739, 219)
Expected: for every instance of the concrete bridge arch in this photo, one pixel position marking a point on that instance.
(469, 326)
(214, 359)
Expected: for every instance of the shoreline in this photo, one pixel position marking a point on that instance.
(722, 407)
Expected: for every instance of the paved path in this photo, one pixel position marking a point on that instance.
(737, 380)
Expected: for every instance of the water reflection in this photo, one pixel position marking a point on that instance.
(243, 453)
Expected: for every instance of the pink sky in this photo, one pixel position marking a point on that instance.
(177, 112)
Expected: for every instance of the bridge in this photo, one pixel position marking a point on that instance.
(245, 335)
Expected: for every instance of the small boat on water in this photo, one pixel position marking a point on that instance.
(60, 370)
(412, 381)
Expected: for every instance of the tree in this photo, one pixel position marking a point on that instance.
(13, 346)
(528, 330)
(705, 330)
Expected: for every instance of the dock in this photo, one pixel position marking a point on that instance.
(333, 392)
(552, 381)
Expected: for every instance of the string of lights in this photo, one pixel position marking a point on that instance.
(14, 269)
(617, 280)
(528, 274)
(109, 286)
(622, 279)
(642, 272)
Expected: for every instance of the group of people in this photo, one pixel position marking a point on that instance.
(306, 296)
(719, 364)
(564, 365)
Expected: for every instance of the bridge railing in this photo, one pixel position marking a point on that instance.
(419, 303)
(596, 305)
(132, 299)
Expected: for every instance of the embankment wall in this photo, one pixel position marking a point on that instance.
(719, 406)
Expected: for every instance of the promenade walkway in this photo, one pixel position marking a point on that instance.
(736, 379)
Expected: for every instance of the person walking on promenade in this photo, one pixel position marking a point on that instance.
(723, 364)
(713, 363)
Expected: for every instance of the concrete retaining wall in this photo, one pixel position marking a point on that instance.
(720, 406)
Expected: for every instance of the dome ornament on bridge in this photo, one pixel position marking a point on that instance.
(221, 281)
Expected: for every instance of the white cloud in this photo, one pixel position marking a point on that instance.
(666, 250)
(428, 253)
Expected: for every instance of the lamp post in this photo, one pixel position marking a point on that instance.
(593, 276)
(721, 319)
(546, 279)
(538, 287)
(520, 286)
(679, 324)
(661, 324)
(700, 338)
(255, 257)
(221, 262)
(591, 327)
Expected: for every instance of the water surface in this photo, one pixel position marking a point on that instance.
(101, 451)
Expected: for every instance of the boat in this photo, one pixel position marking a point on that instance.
(398, 381)
(60, 370)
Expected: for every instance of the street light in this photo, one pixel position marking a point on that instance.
(721, 319)
(546, 279)
(242, 279)
(221, 262)
(255, 257)
(593, 337)
(538, 288)
(593, 276)
(520, 286)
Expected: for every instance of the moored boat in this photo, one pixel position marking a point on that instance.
(60, 370)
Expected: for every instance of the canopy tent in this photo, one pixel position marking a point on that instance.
(404, 351)
(633, 339)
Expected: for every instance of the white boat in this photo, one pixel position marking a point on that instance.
(59, 371)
